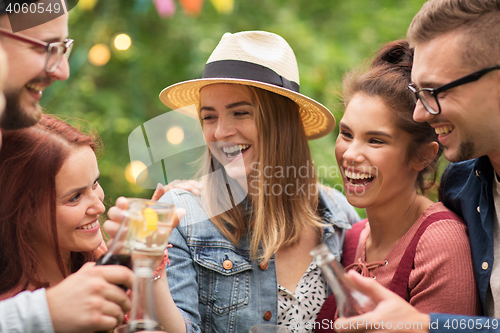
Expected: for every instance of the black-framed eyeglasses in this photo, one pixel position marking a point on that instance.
(429, 96)
(55, 50)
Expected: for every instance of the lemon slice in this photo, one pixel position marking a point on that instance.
(138, 226)
(151, 218)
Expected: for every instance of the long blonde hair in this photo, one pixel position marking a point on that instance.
(277, 217)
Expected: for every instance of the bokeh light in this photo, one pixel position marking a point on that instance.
(87, 4)
(122, 42)
(135, 169)
(99, 55)
(223, 6)
(175, 135)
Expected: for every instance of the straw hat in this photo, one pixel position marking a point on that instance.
(259, 59)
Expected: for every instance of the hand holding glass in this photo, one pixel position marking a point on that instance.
(144, 229)
(150, 224)
(350, 301)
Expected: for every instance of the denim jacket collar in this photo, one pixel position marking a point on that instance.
(333, 215)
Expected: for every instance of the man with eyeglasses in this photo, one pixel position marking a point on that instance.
(37, 58)
(89, 299)
(456, 84)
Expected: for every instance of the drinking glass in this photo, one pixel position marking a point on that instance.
(145, 229)
(150, 224)
(127, 328)
(350, 301)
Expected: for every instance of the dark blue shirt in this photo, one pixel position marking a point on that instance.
(467, 189)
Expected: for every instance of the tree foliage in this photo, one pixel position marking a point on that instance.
(329, 37)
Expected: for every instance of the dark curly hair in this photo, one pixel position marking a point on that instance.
(388, 77)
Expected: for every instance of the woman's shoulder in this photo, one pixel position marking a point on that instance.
(447, 233)
(441, 216)
(179, 197)
(190, 202)
(195, 227)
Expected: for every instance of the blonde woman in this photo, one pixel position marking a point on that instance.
(239, 260)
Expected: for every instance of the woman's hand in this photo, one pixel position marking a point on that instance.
(192, 186)
(116, 215)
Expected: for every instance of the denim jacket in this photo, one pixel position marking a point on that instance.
(214, 283)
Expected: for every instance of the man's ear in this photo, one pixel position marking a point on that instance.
(426, 155)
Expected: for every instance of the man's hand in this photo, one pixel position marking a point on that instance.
(90, 300)
(390, 315)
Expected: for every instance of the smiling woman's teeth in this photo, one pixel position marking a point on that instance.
(89, 225)
(358, 179)
(235, 150)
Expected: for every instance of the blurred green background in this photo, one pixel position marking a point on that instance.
(329, 37)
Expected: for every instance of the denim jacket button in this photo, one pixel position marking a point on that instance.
(484, 266)
(268, 315)
(263, 265)
(227, 264)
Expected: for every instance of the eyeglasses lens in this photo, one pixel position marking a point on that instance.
(68, 49)
(54, 55)
(429, 101)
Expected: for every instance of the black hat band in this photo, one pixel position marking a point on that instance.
(237, 69)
